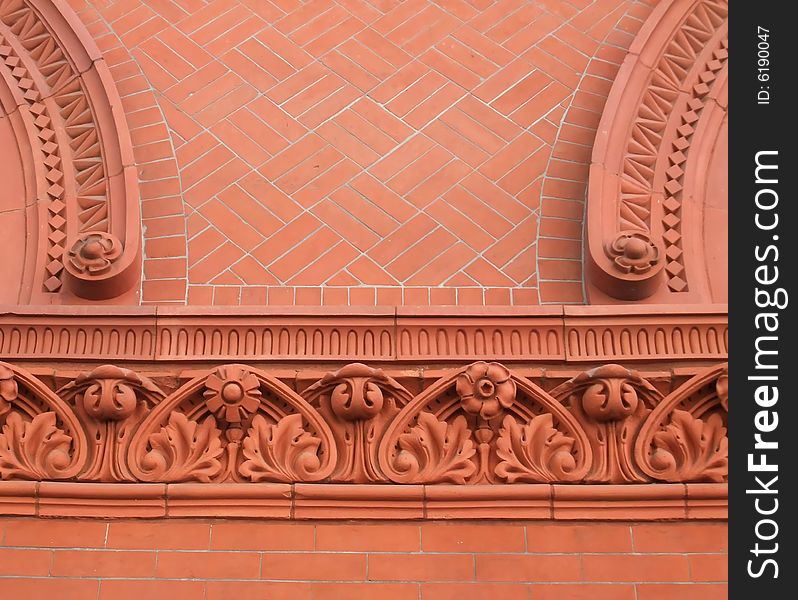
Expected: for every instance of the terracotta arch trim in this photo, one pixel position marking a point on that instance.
(86, 185)
(666, 90)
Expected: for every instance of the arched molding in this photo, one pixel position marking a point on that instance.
(81, 186)
(660, 129)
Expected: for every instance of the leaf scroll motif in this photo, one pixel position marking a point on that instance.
(535, 452)
(38, 449)
(690, 449)
(283, 452)
(184, 450)
(434, 451)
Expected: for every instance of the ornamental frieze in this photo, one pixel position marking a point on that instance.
(482, 423)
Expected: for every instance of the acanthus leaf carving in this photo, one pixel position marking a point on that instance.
(40, 437)
(479, 398)
(535, 452)
(184, 450)
(281, 453)
(37, 449)
(238, 400)
(685, 438)
(434, 451)
(691, 449)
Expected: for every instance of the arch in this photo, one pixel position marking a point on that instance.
(661, 132)
(80, 192)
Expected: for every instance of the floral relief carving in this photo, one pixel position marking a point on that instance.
(633, 252)
(93, 254)
(534, 452)
(491, 413)
(485, 388)
(685, 437)
(35, 449)
(283, 453)
(690, 449)
(607, 425)
(230, 425)
(183, 450)
(434, 451)
(359, 402)
(111, 401)
(40, 436)
(611, 402)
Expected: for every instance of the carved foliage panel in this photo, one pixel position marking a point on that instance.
(480, 424)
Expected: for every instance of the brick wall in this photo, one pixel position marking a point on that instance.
(216, 560)
(363, 152)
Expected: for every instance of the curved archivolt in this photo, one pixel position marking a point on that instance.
(70, 215)
(657, 200)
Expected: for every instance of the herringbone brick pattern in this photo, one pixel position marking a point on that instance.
(372, 152)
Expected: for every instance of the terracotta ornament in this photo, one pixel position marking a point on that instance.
(649, 190)
(357, 425)
(71, 133)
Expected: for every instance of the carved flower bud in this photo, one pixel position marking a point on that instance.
(356, 399)
(610, 400)
(109, 400)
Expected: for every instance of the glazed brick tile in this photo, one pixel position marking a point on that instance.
(693, 537)
(256, 536)
(152, 589)
(208, 565)
(68, 589)
(421, 567)
(316, 567)
(453, 537)
(683, 592)
(103, 564)
(171, 535)
(473, 591)
(256, 590)
(531, 568)
(660, 567)
(709, 567)
(368, 538)
(583, 592)
(363, 591)
(25, 563)
(57, 534)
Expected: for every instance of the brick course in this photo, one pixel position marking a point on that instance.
(431, 560)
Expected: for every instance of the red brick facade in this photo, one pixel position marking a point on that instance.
(270, 322)
(400, 560)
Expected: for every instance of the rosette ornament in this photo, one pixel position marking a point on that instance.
(633, 252)
(232, 394)
(485, 389)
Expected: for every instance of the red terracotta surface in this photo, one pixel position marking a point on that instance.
(482, 423)
(386, 188)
